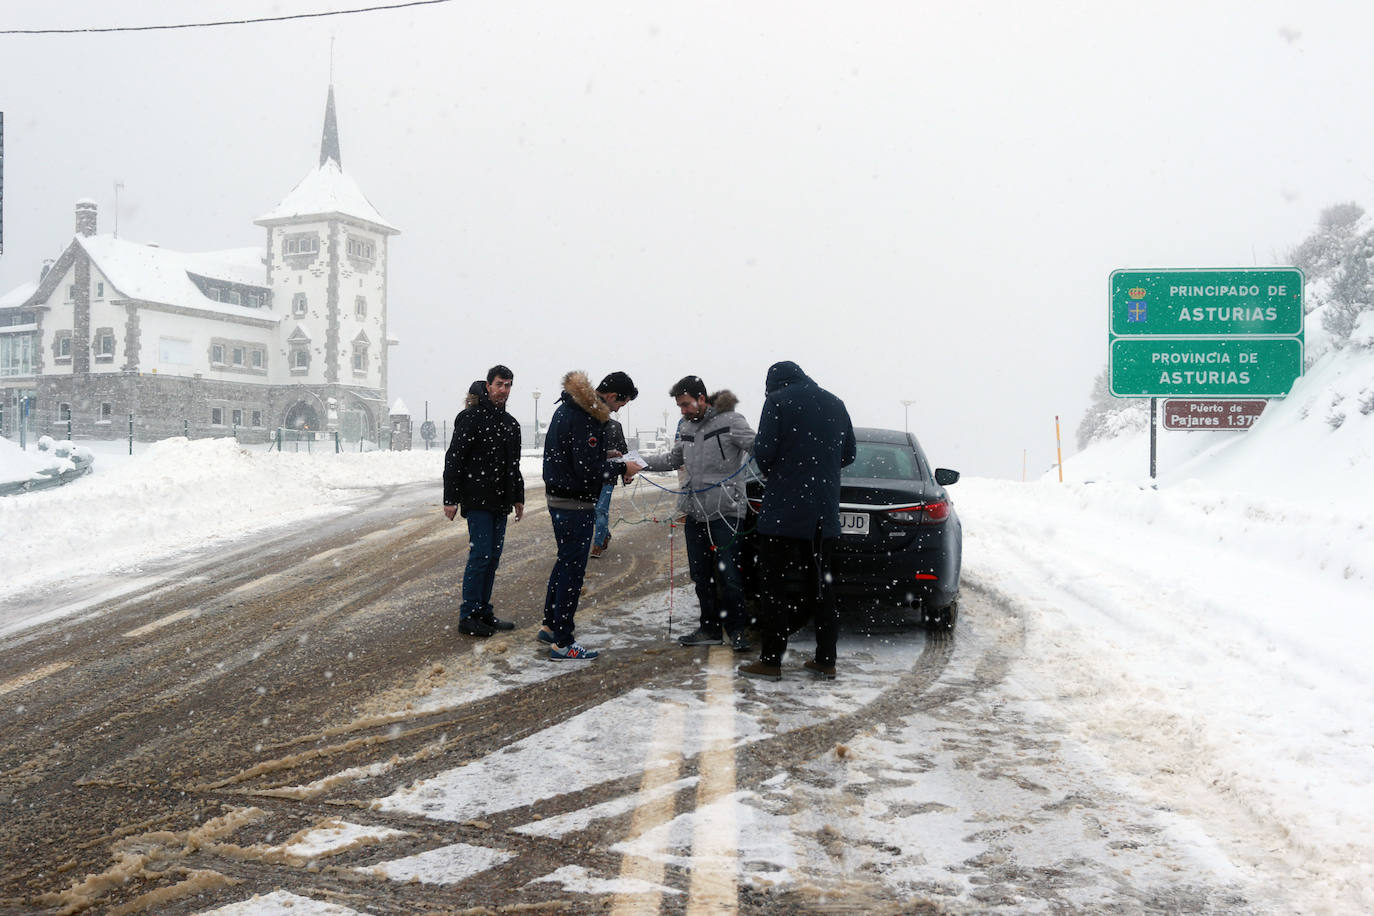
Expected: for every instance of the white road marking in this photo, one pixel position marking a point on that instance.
(715, 856)
(25, 680)
(662, 765)
(162, 622)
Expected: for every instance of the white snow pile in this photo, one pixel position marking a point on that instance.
(48, 459)
(179, 494)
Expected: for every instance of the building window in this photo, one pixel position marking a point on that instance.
(62, 346)
(105, 345)
(257, 419)
(257, 300)
(361, 248)
(71, 293)
(232, 297)
(217, 354)
(236, 416)
(359, 358)
(300, 244)
(64, 412)
(298, 305)
(257, 359)
(106, 412)
(216, 416)
(238, 356)
(100, 290)
(360, 307)
(300, 359)
(16, 354)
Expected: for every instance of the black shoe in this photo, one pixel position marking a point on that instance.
(824, 672)
(475, 626)
(739, 641)
(496, 623)
(700, 638)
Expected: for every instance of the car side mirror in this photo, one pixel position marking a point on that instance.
(944, 476)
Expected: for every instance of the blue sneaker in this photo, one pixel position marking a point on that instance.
(573, 650)
(546, 635)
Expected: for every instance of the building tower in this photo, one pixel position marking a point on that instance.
(327, 261)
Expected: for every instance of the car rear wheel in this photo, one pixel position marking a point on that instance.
(941, 620)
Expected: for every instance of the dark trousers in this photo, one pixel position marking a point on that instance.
(486, 538)
(572, 531)
(794, 588)
(713, 560)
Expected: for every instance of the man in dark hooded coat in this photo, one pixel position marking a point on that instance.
(805, 436)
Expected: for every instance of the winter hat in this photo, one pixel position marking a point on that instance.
(619, 383)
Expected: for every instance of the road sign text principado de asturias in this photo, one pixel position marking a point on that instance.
(1233, 333)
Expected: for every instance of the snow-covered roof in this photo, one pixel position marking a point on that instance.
(399, 407)
(152, 274)
(18, 296)
(327, 191)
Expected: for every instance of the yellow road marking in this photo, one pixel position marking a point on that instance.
(25, 680)
(662, 766)
(715, 854)
(161, 622)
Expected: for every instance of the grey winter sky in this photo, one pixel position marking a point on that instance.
(912, 200)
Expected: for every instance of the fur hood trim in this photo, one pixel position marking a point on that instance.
(579, 390)
(724, 400)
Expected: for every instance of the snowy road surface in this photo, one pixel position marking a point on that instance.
(1128, 718)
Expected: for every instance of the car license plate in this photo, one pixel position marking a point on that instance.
(854, 523)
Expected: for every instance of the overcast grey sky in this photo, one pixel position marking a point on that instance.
(912, 200)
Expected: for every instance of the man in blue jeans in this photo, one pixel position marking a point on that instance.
(482, 480)
(576, 467)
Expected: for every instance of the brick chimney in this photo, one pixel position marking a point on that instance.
(85, 217)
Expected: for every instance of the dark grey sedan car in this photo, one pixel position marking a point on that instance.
(901, 543)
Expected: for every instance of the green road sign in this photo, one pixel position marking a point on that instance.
(1234, 302)
(1147, 367)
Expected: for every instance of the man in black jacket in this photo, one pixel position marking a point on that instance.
(805, 437)
(576, 467)
(482, 480)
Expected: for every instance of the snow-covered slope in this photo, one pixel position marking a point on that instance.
(1210, 634)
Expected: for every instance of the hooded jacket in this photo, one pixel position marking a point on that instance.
(711, 448)
(805, 437)
(482, 465)
(575, 462)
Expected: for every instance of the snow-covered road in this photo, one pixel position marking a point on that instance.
(1152, 692)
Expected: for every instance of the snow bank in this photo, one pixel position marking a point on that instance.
(178, 494)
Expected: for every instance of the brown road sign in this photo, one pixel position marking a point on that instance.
(1193, 414)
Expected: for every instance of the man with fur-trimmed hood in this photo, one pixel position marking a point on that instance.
(576, 466)
(712, 444)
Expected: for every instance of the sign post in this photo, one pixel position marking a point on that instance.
(1203, 335)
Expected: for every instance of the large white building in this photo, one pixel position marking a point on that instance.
(215, 343)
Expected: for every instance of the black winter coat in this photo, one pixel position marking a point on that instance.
(805, 437)
(575, 463)
(482, 465)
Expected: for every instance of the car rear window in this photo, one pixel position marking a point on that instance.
(883, 461)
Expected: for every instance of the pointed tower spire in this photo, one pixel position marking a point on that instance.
(329, 143)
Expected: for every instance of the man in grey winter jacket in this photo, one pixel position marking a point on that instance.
(712, 445)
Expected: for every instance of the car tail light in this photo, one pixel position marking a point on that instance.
(931, 513)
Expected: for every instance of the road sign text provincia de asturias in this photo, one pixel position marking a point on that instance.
(1205, 333)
